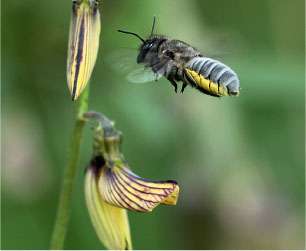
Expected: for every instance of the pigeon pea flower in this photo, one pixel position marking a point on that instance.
(83, 44)
(111, 188)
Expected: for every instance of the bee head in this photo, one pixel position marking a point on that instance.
(150, 45)
(147, 45)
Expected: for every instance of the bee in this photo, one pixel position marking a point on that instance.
(178, 61)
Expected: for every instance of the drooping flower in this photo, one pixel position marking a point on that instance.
(83, 44)
(111, 188)
(111, 223)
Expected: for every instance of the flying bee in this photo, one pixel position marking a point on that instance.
(178, 61)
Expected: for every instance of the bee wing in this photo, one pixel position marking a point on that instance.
(142, 74)
(124, 61)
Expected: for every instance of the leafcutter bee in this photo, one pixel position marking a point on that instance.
(178, 61)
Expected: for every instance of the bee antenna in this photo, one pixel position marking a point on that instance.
(153, 26)
(132, 33)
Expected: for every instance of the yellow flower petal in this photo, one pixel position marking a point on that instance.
(120, 187)
(83, 44)
(111, 187)
(111, 223)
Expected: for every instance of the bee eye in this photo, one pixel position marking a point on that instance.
(148, 45)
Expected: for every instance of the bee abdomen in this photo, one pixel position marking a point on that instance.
(212, 77)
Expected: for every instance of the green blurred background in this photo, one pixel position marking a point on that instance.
(239, 161)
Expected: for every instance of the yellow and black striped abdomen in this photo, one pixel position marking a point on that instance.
(211, 77)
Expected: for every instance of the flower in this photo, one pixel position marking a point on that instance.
(111, 223)
(111, 188)
(83, 44)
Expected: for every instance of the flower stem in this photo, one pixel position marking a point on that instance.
(63, 212)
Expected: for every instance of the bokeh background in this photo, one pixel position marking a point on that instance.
(239, 161)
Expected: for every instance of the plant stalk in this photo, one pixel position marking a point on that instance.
(63, 211)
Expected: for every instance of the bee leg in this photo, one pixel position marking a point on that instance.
(156, 77)
(183, 87)
(174, 84)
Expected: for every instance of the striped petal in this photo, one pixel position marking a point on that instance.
(120, 187)
(111, 187)
(83, 45)
(111, 223)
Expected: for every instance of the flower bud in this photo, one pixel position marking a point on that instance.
(83, 44)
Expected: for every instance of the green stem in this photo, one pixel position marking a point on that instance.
(63, 212)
